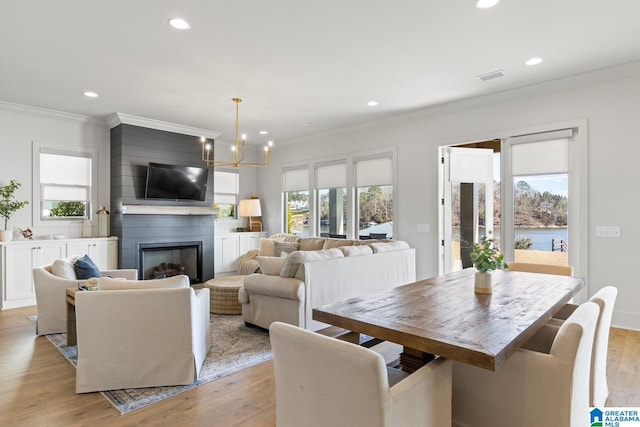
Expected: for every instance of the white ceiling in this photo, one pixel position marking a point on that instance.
(301, 67)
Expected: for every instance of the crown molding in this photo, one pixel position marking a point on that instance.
(49, 112)
(116, 119)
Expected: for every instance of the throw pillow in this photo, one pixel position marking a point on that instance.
(336, 243)
(285, 248)
(271, 265)
(294, 263)
(85, 268)
(64, 268)
(398, 245)
(312, 243)
(356, 250)
(266, 247)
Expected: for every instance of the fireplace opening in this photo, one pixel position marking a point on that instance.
(166, 259)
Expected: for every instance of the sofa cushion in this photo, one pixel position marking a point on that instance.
(312, 244)
(336, 243)
(356, 250)
(64, 268)
(173, 282)
(266, 247)
(397, 245)
(285, 248)
(85, 268)
(294, 263)
(271, 265)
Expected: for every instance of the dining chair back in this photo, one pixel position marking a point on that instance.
(323, 381)
(561, 270)
(550, 384)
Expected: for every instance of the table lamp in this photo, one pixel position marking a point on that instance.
(250, 208)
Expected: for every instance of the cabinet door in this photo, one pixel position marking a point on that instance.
(104, 253)
(249, 241)
(20, 261)
(19, 272)
(229, 253)
(226, 253)
(49, 252)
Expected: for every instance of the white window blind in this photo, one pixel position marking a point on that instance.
(296, 180)
(65, 176)
(331, 176)
(226, 187)
(374, 172)
(541, 157)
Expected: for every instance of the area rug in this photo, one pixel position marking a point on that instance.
(235, 347)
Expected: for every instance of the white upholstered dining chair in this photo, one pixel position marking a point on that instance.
(606, 299)
(528, 267)
(322, 381)
(532, 388)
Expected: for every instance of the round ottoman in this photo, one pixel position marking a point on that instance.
(223, 292)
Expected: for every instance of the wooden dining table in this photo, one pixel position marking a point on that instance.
(443, 316)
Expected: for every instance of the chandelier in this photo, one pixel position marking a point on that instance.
(237, 151)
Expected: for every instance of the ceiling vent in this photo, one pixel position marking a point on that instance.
(490, 76)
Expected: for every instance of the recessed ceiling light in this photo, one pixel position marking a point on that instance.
(179, 24)
(90, 94)
(263, 132)
(485, 4)
(534, 61)
(372, 103)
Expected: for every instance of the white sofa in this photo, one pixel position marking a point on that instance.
(312, 278)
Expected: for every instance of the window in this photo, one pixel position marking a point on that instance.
(65, 184)
(296, 202)
(331, 187)
(225, 193)
(374, 182)
(539, 169)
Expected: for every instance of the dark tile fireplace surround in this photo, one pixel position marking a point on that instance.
(158, 237)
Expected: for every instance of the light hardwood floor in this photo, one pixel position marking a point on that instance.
(37, 387)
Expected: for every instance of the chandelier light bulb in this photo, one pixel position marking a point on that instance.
(208, 147)
(270, 143)
(233, 148)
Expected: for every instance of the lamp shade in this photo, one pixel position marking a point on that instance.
(249, 207)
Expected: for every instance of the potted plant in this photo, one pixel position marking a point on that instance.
(8, 205)
(486, 257)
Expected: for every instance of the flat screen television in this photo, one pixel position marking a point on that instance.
(175, 182)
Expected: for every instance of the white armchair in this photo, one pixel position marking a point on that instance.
(532, 388)
(322, 381)
(51, 296)
(145, 337)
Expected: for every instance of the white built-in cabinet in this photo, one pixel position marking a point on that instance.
(229, 247)
(18, 258)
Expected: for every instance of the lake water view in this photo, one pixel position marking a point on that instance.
(541, 237)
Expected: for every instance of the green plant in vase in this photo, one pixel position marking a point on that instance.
(8, 206)
(486, 258)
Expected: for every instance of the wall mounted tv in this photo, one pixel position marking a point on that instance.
(174, 182)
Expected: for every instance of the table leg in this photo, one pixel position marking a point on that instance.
(71, 322)
(412, 359)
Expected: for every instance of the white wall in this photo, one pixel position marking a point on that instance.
(609, 100)
(20, 127)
